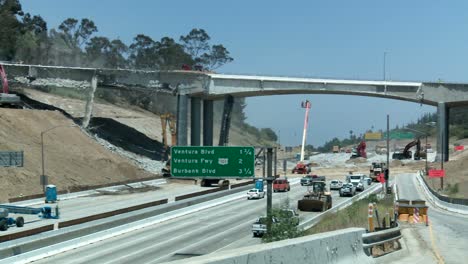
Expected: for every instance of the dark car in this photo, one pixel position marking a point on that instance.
(307, 180)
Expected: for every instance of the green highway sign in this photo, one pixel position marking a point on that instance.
(235, 162)
(399, 135)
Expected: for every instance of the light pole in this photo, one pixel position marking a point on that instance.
(43, 180)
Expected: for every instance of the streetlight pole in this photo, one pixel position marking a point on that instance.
(43, 176)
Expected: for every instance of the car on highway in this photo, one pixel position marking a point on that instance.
(368, 180)
(288, 216)
(348, 189)
(359, 185)
(281, 185)
(255, 194)
(308, 179)
(336, 184)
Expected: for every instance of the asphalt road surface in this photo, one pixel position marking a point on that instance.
(445, 238)
(202, 232)
(99, 203)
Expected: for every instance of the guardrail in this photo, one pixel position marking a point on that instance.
(370, 240)
(447, 199)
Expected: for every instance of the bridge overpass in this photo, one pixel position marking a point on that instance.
(199, 89)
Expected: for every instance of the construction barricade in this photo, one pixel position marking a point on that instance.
(413, 212)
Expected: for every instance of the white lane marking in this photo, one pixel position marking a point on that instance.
(201, 241)
(106, 234)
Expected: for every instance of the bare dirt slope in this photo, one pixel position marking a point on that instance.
(71, 157)
(142, 120)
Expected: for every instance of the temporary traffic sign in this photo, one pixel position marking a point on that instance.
(436, 173)
(235, 162)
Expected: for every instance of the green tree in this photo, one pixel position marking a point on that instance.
(10, 27)
(171, 55)
(268, 134)
(142, 52)
(196, 43)
(217, 57)
(74, 34)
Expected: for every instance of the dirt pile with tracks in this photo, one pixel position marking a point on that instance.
(71, 157)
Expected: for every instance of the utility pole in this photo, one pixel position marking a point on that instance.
(269, 179)
(388, 150)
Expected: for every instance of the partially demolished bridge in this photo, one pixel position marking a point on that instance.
(201, 89)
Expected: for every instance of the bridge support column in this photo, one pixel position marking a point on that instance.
(182, 116)
(442, 131)
(90, 102)
(195, 121)
(207, 122)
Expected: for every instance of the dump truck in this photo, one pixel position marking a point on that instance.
(319, 199)
(336, 149)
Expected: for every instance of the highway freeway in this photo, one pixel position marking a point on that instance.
(223, 226)
(99, 203)
(446, 236)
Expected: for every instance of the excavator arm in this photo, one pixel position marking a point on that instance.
(410, 145)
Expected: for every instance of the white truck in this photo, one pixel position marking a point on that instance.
(357, 180)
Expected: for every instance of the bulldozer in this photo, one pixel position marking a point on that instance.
(319, 199)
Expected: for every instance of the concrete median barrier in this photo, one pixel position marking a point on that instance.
(341, 246)
(75, 229)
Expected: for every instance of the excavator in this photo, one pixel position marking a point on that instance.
(407, 154)
(7, 99)
(360, 151)
(319, 199)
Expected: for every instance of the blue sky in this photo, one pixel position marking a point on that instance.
(424, 41)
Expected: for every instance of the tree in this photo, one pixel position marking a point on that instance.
(286, 225)
(268, 134)
(171, 55)
(10, 27)
(196, 43)
(142, 52)
(217, 57)
(74, 34)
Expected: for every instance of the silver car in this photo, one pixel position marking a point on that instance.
(336, 184)
(348, 189)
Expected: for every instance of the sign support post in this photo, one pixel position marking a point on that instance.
(269, 187)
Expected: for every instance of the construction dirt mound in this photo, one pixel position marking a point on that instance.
(71, 157)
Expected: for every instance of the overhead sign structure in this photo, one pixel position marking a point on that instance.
(400, 135)
(436, 173)
(215, 162)
(373, 136)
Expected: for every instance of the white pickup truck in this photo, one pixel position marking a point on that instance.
(259, 228)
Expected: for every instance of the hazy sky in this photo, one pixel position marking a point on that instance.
(424, 41)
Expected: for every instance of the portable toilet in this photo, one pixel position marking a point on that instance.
(51, 193)
(259, 184)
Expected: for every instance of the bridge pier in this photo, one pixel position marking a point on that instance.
(207, 122)
(195, 121)
(182, 116)
(442, 132)
(90, 102)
